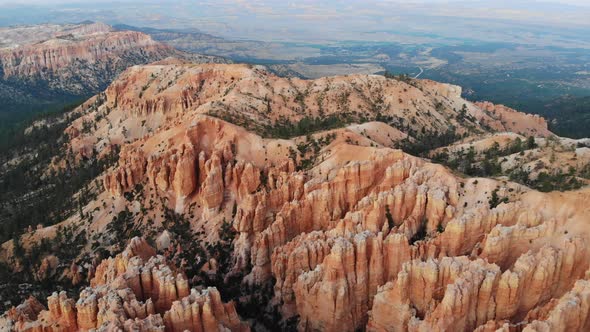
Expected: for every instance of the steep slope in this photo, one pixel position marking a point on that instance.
(136, 290)
(46, 64)
(146, 98)
(546, 164)
(303, 212)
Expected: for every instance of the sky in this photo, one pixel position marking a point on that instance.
(45, 2)
(530, 21)
(584, 3)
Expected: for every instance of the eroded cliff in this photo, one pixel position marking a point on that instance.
(136, 290)
(331, 230)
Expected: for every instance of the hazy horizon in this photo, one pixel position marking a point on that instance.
(555, 23)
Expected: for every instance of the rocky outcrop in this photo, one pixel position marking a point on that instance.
(460, 295)
(145, 99)
(126, 177)
(134, 290)
(301, 255)
(365, 244)
(336, 230)
(44, 63)
(372, 238)
(52, 56)
(508, 119)
(452, 294)
(569, 313)
(27, 311)
(203, 311)
(336, 295)
(32, 316)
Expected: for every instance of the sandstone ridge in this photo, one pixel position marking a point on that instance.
(322, 230)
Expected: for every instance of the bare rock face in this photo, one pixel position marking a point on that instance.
(303, 254)
(49, 52)
(47, 267)
(185, 179)
(27, 311)
(32, 316)
(426, 295)
(374, 238)
(212, 190)
(568, 313)
(51, 56)
(203, 311)
(135, 290)
(508, 119)
(342, 272)
(44, 63)
(125, 178)
(189, 172)
(335, 230)
(338, 293)
(145, 99)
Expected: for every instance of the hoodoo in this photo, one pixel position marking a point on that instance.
(246, 198)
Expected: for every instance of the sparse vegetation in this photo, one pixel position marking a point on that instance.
(29, 197)
(428, 141)
(284, 128)
(495, 199)
(390, 221)
(420, 233)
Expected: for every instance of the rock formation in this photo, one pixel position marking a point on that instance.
(508, 119)
(135, 290)
(148, 99)
(73, 59)
(331, 230)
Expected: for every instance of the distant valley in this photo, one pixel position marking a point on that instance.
(529, 78)
(253, 178)
(526, 77)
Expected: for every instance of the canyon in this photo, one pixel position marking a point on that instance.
(51, 65)
(239, 200)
